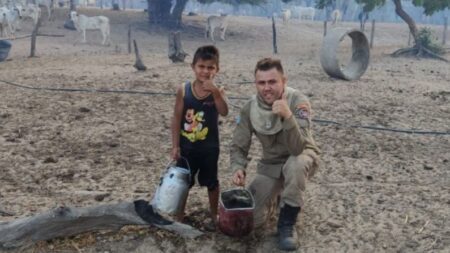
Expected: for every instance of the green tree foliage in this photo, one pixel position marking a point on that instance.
(320, 4)
(237, 2)
(430, 6)
(369, 5)
(426, 38)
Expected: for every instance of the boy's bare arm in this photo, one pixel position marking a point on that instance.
(219, 96)
(176, 123)
(221, 101)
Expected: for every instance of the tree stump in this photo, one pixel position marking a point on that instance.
(139, 65)
(176, 52)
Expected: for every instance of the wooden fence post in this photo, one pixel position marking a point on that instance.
(324, 28)
(444, 36)
(409, 38)
(372, 33)
(274, 36)
(33, 38)
(129, 39)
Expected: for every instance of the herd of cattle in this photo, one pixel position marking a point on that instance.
(11, 15)
(307, 13)
(13, 11)
(303, 13)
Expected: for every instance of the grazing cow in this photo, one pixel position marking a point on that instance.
(306, 13)
(83, 23)
(286, 15)
(214, 22)
(335, 16)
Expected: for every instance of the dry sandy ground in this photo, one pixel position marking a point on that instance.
(377, 192)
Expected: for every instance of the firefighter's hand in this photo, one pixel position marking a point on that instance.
(239, 178)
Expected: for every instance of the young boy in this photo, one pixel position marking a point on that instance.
(195, 131)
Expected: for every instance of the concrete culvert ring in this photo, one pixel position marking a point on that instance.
(359, 61)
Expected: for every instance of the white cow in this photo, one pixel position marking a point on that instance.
(214, 22)
(31, 11)
(83, 23)
(306, 13)
(335, 16)
(9, 18)
(47, 4)
(285, 16)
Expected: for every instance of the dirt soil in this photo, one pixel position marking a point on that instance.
(378, 191)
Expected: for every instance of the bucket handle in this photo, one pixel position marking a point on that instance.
(172, 161)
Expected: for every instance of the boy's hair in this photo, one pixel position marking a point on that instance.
(205, 53)
(269, 63)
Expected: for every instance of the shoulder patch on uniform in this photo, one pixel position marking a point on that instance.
(302, 111)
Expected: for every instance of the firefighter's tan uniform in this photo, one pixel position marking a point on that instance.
(290, 154)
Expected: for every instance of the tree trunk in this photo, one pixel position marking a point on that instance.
(72, 5)
(176, 52)
(175, 19)
(159, 11)
(418, 49)
(403, 15)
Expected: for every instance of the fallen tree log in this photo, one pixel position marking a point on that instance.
(5, 213)
(68, 221)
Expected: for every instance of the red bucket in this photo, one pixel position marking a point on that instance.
(236, 212)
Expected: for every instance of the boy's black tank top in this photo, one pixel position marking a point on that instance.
(199, 122)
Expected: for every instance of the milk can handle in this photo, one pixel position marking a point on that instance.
(172, 161)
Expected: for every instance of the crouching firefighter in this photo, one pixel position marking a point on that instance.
(280, 118)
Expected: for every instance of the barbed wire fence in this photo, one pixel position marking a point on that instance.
(159, 93)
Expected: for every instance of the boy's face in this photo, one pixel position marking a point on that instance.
(270, 85)
(205, 69)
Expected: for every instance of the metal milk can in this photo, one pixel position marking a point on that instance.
(172, 190)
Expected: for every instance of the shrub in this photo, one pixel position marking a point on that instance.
(426, 38)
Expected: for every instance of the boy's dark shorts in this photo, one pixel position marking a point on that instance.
(204, 163)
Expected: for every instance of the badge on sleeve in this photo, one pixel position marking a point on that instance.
(302, 111)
